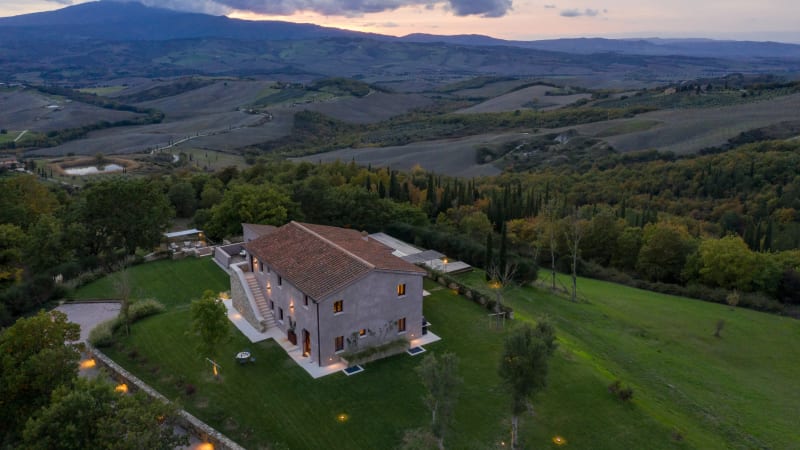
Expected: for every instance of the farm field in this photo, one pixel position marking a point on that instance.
(372, 108)
(491, 89)
(449, 156)
(104, 91)
(27, 109)
(533, 97)
(686, 131)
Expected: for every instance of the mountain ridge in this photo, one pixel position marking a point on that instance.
(105, 20)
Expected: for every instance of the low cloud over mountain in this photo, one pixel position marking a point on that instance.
(484, 8)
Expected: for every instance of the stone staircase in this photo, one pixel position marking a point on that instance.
(261, 300)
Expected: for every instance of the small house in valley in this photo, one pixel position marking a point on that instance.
(334, 292)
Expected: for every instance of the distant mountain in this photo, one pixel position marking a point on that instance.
(97, 41)
(130, 21)
(649, 46)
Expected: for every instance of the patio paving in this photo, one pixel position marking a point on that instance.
(294, 351)
(89, 315)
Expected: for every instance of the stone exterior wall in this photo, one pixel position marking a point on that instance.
(241, 302)
(195, 426)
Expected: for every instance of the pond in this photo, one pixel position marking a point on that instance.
(91, 170)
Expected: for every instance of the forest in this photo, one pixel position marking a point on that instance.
(721, 227)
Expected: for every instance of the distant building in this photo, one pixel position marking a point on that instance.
(8, 162)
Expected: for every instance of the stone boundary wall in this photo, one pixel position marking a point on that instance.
(486, 300)
(195, 426)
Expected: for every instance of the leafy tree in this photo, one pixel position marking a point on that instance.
(211, 193)
(442, 383)
(245, 203)
(91, 414)
(210, 322)
(122, 214)
(46, 245)
(626, 253)
(24, 198)
(34, 360)
(11, 237)
(600, 240)
(182, 197)
(523, 368)
(665, 247)
(727, 263)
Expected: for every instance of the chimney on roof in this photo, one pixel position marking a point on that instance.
(364, 235)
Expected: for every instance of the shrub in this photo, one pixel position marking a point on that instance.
(622, 393)
(372, 353)
(103, 334)
(144, 308)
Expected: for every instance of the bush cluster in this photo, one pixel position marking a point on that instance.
(623, 393)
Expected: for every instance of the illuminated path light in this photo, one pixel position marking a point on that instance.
(122, 387)
(88, 364)
(558, 440)
(342, 418)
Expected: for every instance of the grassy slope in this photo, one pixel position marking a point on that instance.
(731, 392)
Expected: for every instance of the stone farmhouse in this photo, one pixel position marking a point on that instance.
(332, 291)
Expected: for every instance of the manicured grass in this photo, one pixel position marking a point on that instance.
(737, 391)
(173, 283)
(274, 401)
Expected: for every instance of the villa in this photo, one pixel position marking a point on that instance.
(331, 291)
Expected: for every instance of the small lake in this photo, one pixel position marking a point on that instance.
(91, 170)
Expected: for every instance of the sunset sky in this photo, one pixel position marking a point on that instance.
(777, 20)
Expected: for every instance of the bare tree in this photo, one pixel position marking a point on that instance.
(574, 232)
(551, 236)
(123, 290)
(500, 278)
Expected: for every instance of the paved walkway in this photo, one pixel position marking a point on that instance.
(89, 315)
(294, 351)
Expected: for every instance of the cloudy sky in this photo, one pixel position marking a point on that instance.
(777, 20)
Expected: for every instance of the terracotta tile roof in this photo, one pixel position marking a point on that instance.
(320, 260)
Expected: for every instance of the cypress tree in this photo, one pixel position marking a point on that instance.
(489, 256)
(501, 263)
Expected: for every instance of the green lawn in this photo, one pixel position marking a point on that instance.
(737, 391)
(173, 283)
(691, 390)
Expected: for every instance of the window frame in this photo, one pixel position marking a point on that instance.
(401, 290)
(401, 329)
(338, 307)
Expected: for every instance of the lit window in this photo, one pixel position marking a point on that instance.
(401, 325)
(338, 306)
(305, 301)
(362, 332)
(401, 289)
(339, 343)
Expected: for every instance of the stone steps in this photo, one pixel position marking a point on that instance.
(261, 301)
